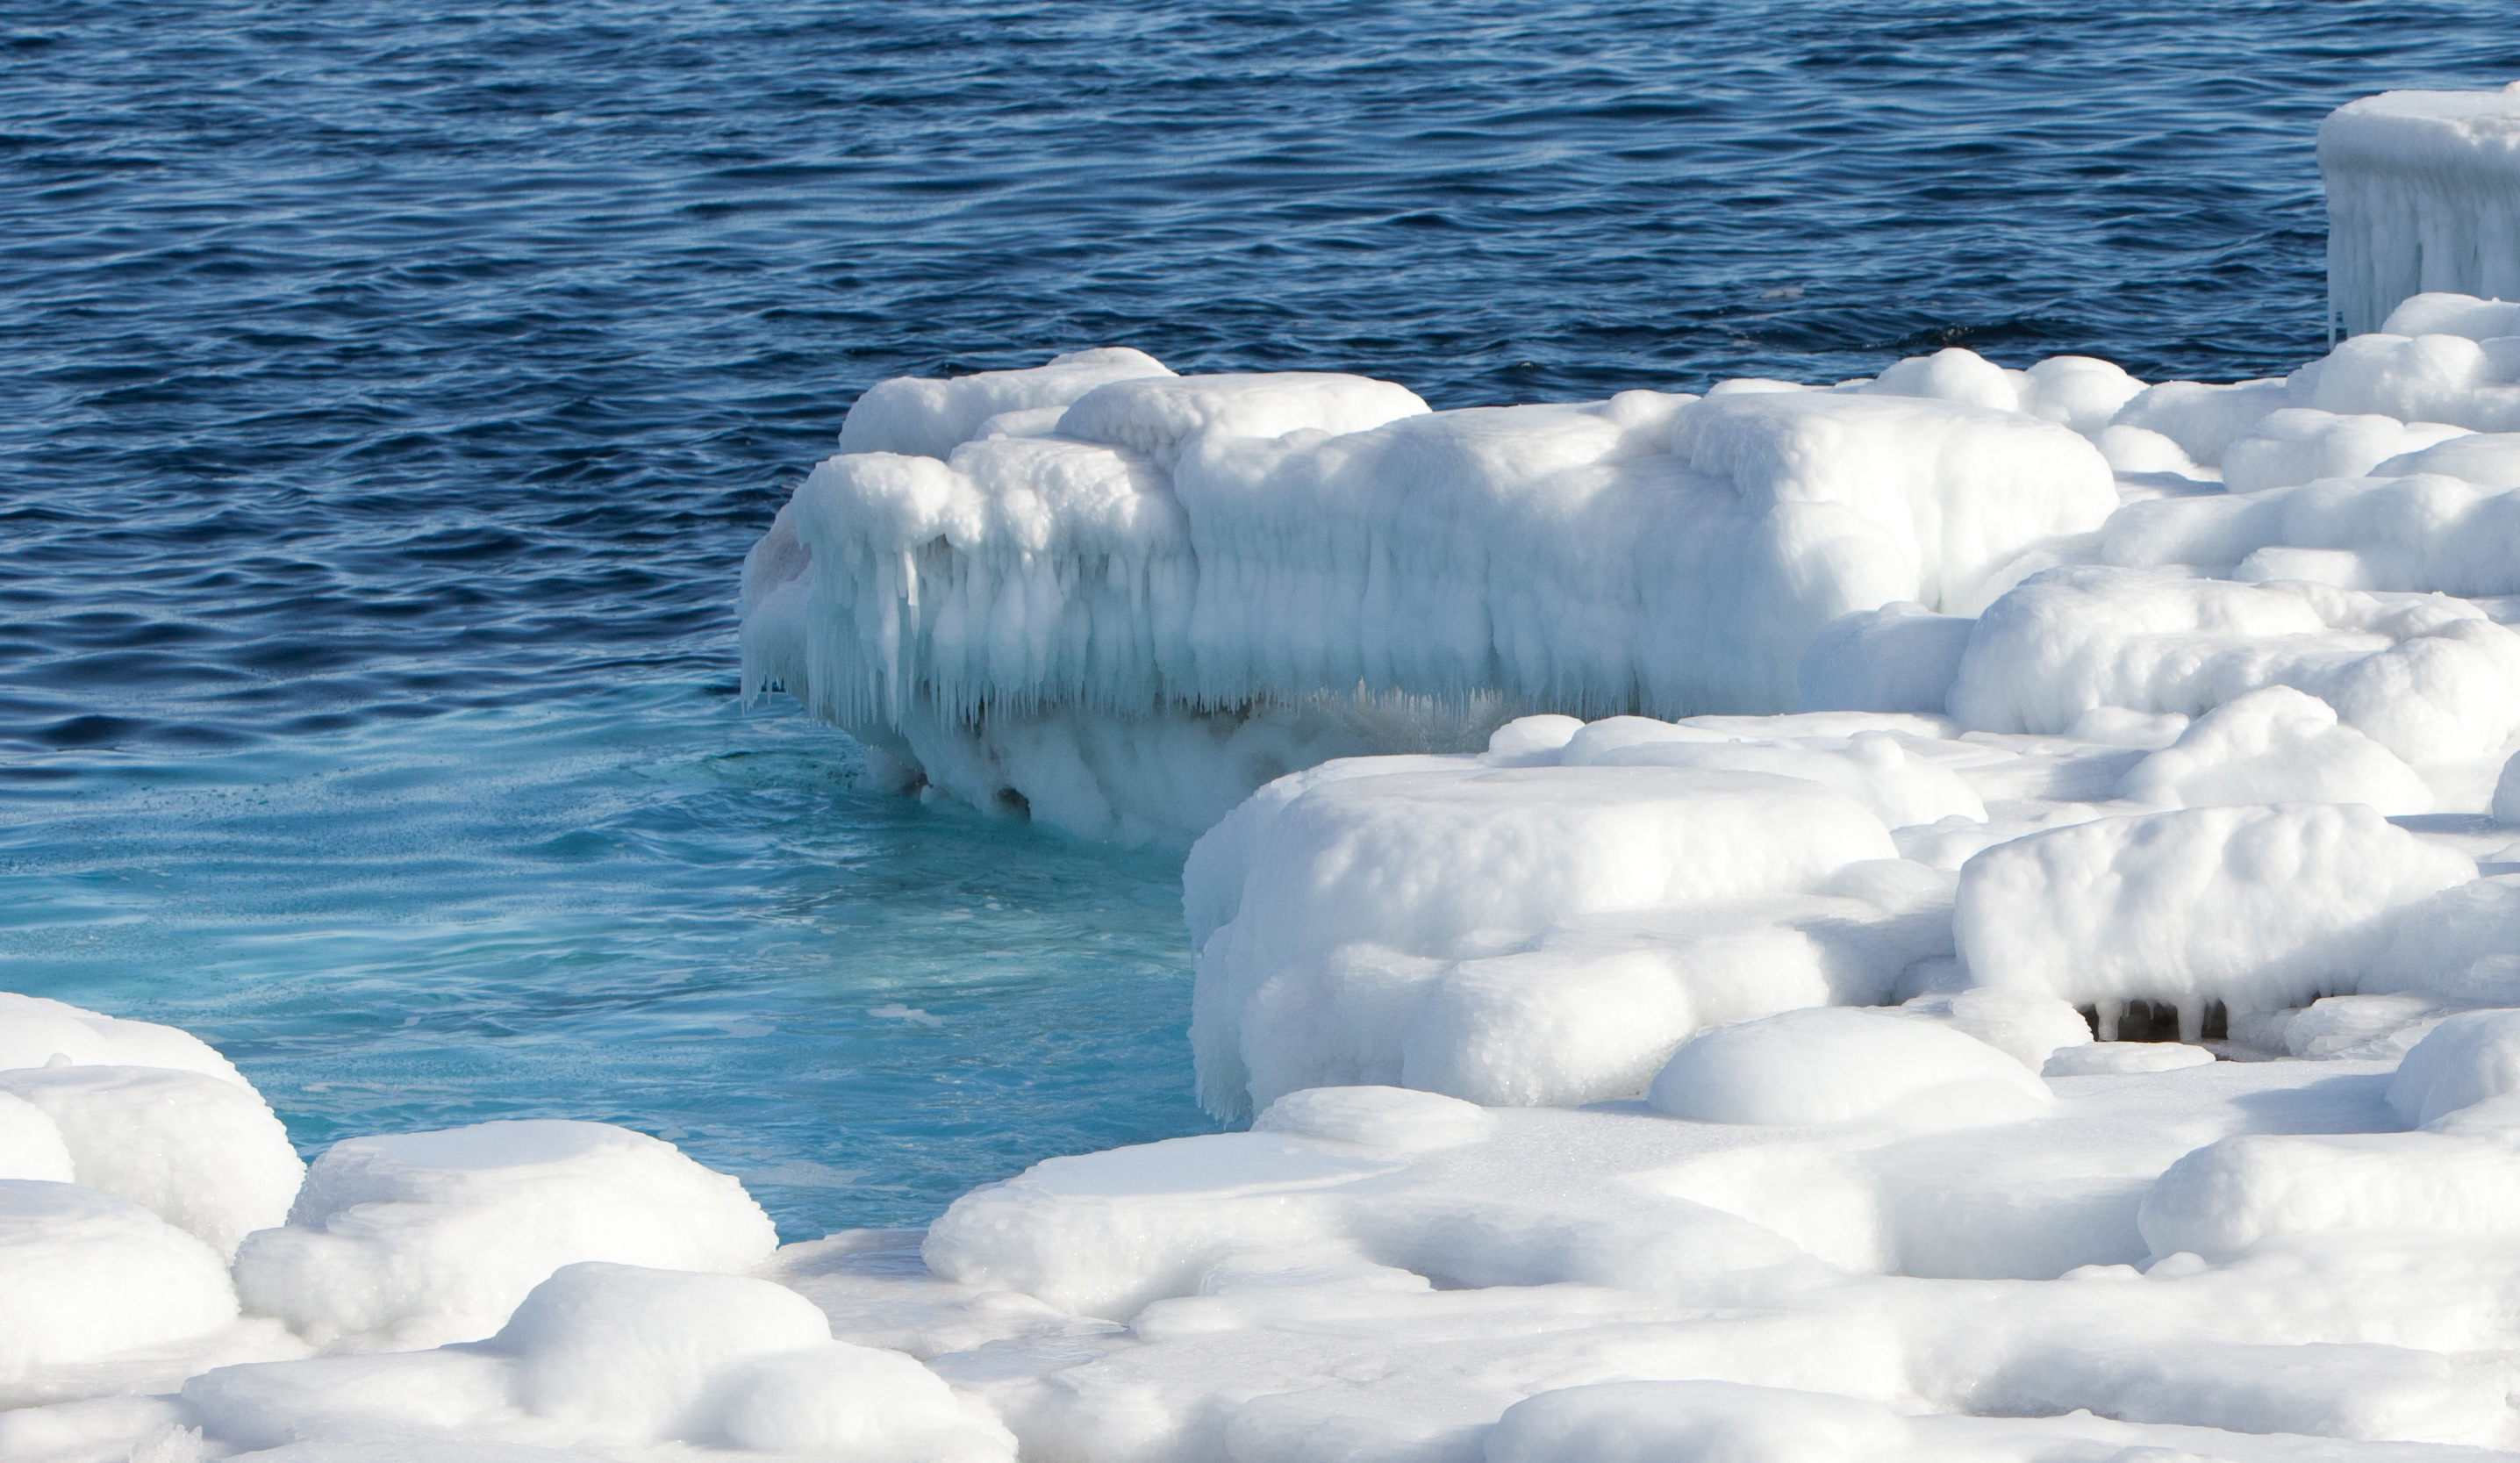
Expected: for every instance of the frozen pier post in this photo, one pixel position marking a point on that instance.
(2423, 193)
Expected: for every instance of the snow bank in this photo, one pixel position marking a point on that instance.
(422, 1237)
(2423, 193)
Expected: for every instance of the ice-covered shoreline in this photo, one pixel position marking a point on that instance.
(2016, 957)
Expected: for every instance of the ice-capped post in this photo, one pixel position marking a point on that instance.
(2423, 193)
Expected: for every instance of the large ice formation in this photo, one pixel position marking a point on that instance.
(2423, 193)
(1972, 915)
(1133, 598)
(1133, 601)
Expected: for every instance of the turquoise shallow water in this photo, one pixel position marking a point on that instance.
(642, 907)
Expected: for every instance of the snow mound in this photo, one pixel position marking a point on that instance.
(1900, 657)
(1834, 1065)
(2466, 1060)
(2429, 678)
(2098, 1058)
(1377, 1118)
(34, 1030)
(1650, 1422)
(204, 1154)
(921, 418)
(2032, 1029)
(2297, 444)
(2258, 908)
(422, 1237)
(1396, 929)
(84, 1274)
(30, 1143)
(2421, 531)
(2274, 744)
(608, 1356)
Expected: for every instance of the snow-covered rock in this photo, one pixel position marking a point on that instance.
(422, 1237)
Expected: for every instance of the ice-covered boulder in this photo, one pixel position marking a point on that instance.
(84, 1274)
(2489, 459)
(30, 1143)
(34, 1030)
(614, 1357)
(850, 1401)
(2431, 679)
(200, 1152)
(2259, 908)
(2274, 744)
(2423, 193)
(2072, 390)
(2428, 378)
(2199, 420)
(2298, 444)
(1480, 931)
(632, 1350)
(2464, 1060)
(2031, 1029)
(1378, 1118)
(2233, 1195)
(2424, 531)
(423, 1238)
(1900, 657)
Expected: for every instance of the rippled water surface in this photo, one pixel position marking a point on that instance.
(388, 391)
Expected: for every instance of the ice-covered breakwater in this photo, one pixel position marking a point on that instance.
(1125, 599)
(1128, 598)
(2048, 993)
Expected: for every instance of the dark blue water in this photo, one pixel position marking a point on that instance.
(388, 391)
